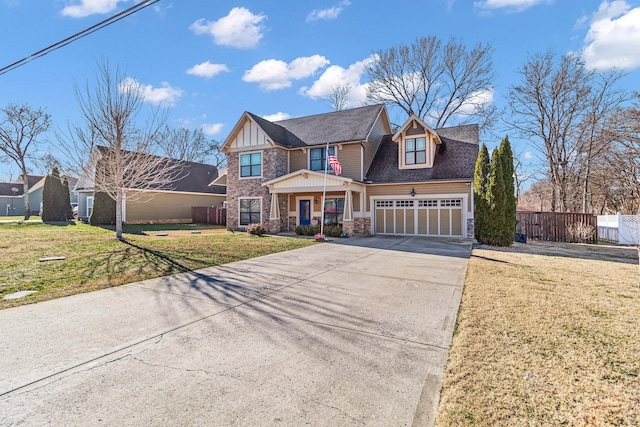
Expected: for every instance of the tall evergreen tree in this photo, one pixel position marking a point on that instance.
(104, 210)
(509, 188)
(496, 202)
(53, 198)
(480, 184)
(68, 210)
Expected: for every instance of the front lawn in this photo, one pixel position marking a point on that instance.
(547, 334)
(95, 260)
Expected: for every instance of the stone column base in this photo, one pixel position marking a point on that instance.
(348, 227)
(274, 226)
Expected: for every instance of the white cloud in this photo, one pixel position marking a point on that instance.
(476, 100)
(528, 155)
(165, 95)
(207, 69)
(273, 74)
(338, 76)
(612, 39)
(277, 117)
(211, 128)
(240, 28)
(89, 7)
(327, 14)
(510, 5)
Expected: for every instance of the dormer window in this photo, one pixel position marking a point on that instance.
(417, 144)
(415, 151)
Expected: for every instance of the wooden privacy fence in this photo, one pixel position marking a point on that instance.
(209, 215)
(558, 226)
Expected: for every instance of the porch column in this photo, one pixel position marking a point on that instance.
(348, 206)
(347, 217)
(274, 215)
(275, 207)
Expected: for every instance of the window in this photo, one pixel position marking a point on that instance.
(415, 151)
(333, 211)
(89, 205)
(318, 158)
(250, 164)
(250, 211)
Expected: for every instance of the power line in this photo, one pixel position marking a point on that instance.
(102, 24)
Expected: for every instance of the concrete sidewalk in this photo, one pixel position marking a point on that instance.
(352, 332)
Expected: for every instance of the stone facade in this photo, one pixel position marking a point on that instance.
(348, 227)
(274, 164)
(470, 228)
(361, 225)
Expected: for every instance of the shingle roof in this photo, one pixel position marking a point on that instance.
(455, 158)
(5, 187)
(335, 127)
(195, 177)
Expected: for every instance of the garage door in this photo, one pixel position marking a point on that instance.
(426, 217)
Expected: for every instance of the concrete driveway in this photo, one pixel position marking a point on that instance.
(352, 332)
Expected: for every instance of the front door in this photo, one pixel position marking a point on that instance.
(305, 212)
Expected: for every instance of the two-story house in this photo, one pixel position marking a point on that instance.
(416, 181)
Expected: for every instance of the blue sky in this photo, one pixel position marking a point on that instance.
(208, 61)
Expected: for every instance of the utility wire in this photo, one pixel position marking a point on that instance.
(102, 24)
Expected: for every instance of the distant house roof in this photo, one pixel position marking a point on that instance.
(334, 127)
(5, 187)
(455, 158)
(195, 177)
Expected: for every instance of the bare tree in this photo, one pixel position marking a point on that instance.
(440, 83)
(114, 149)
(560, 107)
(190, 145)
(20, 130)
(338, 96)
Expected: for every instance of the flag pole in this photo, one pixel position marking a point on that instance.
(324, 188)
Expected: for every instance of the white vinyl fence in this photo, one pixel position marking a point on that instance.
(622, 229)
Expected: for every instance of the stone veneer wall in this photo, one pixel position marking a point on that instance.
(361, 225)
(471, 227)
(274, 164)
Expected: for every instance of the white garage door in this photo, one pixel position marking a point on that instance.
(427, 217)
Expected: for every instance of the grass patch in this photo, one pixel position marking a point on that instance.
(95, 260)
(547, 334)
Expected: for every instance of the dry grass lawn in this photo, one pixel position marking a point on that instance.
(547, 335)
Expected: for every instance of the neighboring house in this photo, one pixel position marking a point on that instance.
(36, 193)
(191, 189)
(417, 181)
(12, 196)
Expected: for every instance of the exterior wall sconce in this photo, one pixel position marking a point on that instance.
(315, 200)
(413, 192)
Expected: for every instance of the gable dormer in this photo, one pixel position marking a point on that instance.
(416, 144)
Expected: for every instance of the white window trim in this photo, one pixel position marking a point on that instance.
(324, 147)
(428, 152)
(87, 207)
(249, 198)
(261, 164)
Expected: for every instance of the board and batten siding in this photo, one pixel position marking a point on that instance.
(169, 206)
(250, 135)
(425, 189)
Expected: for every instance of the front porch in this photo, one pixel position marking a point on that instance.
(304, 193)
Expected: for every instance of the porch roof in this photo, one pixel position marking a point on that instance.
(304, 181)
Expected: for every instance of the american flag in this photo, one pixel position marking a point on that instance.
(335, 164)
